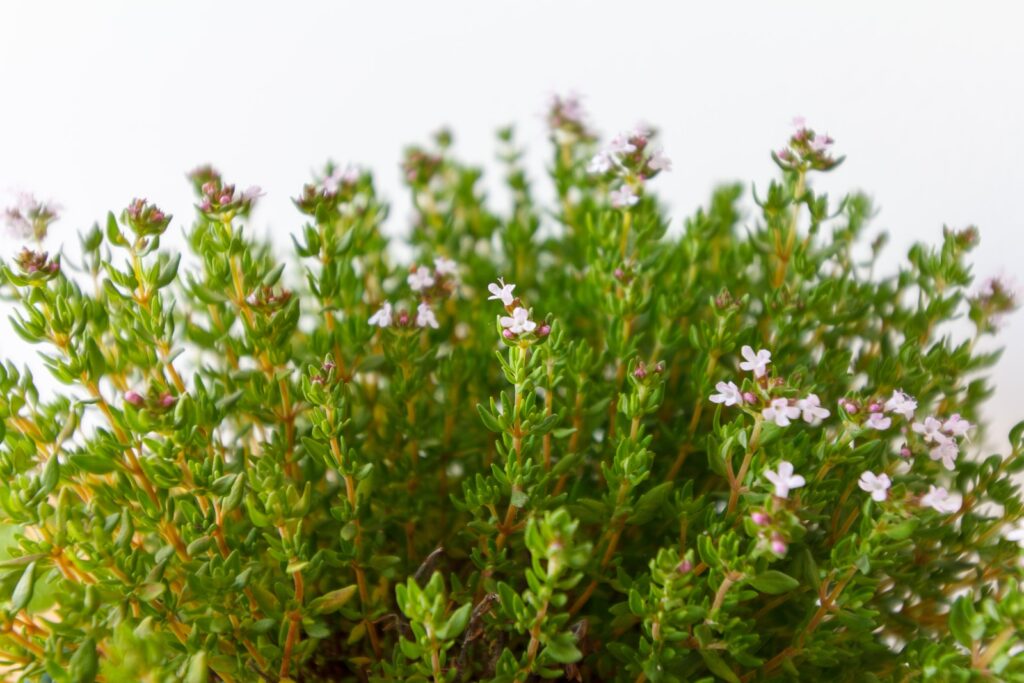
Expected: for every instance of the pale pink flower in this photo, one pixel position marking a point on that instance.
(930, 429)
(780, 412)
(659, 162)
(445, 266)
(501, 292)
(420, 279)
(876, 485)
(600, 163)
(425, 316)
(755, 362)
(728, 393)
(784, 479)
(813, 413)
(901, 404)
(820, 142)
(519, 322)
(879, 421)
(779, 546)
(941, 500)
(623, 197)
(956, 425)
(382, 318)
(946, 451)
(620, 144)
(253, 192)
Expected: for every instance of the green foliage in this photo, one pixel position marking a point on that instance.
(534, 453)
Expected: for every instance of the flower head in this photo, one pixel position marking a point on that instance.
(728, 393)
(780, 412)
(600, 163)
(875, 484)
(519, 322)
(420, 279)
(623, 197)
(901, 404)
(879, 421)
(946, 451)
(956, 425)
(930, 429)
(445, 266)
(813, 413)
(382, 318)
(941, 500)
(659, 162)
(783, 479)
(501, 292)
(756, 362)
(425, 316)
(620, 144)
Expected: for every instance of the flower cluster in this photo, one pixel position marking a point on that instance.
(219, 198)
(517, 325)
(429, 284)
(629, 158)
(807, 150)
(30, 217)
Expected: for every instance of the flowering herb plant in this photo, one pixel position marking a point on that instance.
(568, 442)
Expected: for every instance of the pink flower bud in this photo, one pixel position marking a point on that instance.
(850, 407)
(134, 398)
(749, 397)
(659, 367)
(543, 330)
(904, 451)
(760, 518)
(507, 334)
(641, 370)
(168, 400)
(875, 408)
(779, 546)
(684, 567)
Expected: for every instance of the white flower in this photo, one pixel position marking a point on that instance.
(879, 421)
(501, 292)
(382, 318)
(338, 176)
(420, 279)
(902, 404)
(445, 266)
(757, 363)
(659, 162)
(600, 163)
(728, 393)
(946, 451)
(780, 412)
(930, 430)
(253, 192)
(812, 410)
(519, 322)
(956, 425)
(1016, 534)
(821, 142)
(784, 479)
(941, 500)
(876, 485)
(620, 144)
(425, 316)
(624, 196)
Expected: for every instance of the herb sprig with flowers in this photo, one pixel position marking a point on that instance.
(564, 442)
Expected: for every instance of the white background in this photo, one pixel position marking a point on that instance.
(102, 102)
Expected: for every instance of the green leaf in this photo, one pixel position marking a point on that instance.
(718, 666)
(84, 664)
(562, 649)
(456, 623)
(773, 582)
(148, 592)
(198, 668)
(23, 590)
(333, 601)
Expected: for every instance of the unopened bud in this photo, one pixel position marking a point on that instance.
(134, 398)
(168, 400)
(749, 397)
(684, 567)
(760, 518)
(641, 370)
(507, 334)
(779, 546)
(542, 331)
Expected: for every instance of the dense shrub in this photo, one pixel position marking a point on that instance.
(568, 441)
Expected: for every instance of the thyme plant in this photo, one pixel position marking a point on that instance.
(570, 442)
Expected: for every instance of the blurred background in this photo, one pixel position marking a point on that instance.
(106, 101)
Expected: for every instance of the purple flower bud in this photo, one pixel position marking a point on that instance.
(749, 397)
(904, 451)
(659, 367)
(619, 274)
(849, 406)
(328, 366)
(875, 408)
(134, 398)
(641, 370)
(168, 400)
(684, 567)
(760, 518)
(507, 334)
(543, 330)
